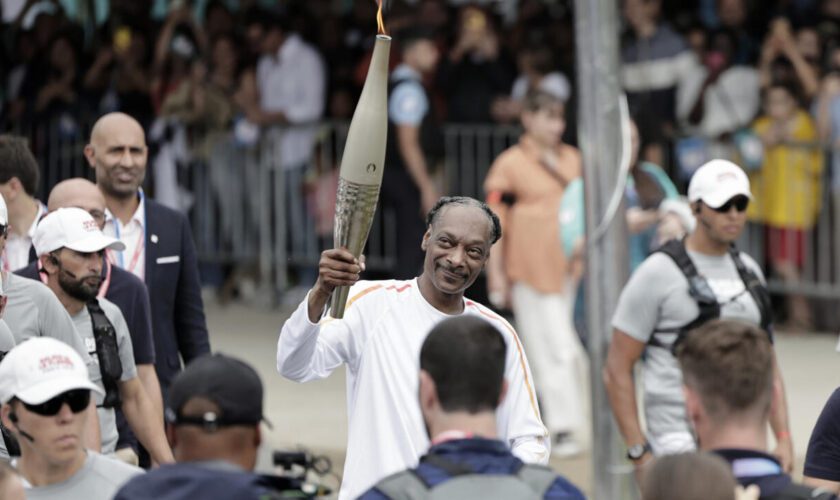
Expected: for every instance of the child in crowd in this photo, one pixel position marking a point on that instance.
(787, 189)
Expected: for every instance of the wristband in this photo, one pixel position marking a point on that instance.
(782, 435)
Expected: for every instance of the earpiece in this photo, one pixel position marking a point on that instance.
(14, 418)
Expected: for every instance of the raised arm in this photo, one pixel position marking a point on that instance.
(310, 348)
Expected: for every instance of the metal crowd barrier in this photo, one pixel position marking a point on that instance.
(238, 200)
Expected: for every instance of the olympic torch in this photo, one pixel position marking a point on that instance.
(363, 162)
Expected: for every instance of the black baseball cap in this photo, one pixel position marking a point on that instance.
(233, 385)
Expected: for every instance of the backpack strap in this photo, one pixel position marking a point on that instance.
(405, 485)
(107, 353)
(698, 288)
(538, 477)
(756, 289)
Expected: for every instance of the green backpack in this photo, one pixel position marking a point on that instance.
(529, 482)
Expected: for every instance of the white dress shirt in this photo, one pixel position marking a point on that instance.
(293, 82)
(133, 235)
(18, 247)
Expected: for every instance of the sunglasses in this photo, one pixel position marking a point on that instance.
(739, 202)
(77, 400)
(4, 229)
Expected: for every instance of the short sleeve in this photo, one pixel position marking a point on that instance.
(637, 313)
(822, 460)
(408, 104)
(115, 316)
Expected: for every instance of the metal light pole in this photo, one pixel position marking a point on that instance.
(599, 131)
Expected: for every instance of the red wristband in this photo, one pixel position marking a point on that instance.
(782, 435)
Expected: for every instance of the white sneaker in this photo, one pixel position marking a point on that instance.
(565, 446)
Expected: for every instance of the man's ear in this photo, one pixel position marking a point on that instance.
(503, 392)
(90, 156)
(15, 188)
(424, 244)
(171, 436)
(427, 392)
(257, 436)
(48, 263)
(4, 416)
(693, 405)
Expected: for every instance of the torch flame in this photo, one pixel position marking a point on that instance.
(379, 22)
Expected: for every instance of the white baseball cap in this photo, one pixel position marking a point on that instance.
(71, 228)
(717, 182)
(4, 211)
(40, 369)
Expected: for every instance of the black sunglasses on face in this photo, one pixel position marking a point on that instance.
(77, 400)
(4, 229)
(739, 202)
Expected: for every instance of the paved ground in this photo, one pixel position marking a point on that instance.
(313, 415)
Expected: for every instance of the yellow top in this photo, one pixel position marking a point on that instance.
(787, 190)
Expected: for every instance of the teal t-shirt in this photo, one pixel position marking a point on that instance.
(573, 213)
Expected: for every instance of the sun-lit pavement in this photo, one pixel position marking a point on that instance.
(313, 415)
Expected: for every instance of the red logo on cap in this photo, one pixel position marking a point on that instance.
(90, 225)
(55, 362)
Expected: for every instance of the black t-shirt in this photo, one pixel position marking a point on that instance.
(823, 458)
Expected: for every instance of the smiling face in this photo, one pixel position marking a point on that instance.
(457, 245)
(118, 152)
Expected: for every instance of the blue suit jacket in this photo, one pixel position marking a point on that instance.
(178, 322)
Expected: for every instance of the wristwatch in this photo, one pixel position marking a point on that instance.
(637, 451)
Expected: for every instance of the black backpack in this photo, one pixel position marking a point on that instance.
(701, 292)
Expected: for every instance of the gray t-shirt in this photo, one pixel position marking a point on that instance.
(99, 479)
(657, 298)
(84, 325)
(33, 310)
(7, 342)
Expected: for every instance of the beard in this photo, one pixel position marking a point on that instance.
(78, 288)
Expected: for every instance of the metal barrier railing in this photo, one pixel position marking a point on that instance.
(241, 209)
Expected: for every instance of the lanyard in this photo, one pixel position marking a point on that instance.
(139, 247)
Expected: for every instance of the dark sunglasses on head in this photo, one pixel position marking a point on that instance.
(739, 202)
(77, 400)
(4, 229)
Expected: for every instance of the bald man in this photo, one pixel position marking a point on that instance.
(159, 246)
(123, 289)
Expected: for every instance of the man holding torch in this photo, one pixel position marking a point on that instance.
(379, 339)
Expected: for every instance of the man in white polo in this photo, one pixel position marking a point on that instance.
(45, 391)
(70, 248)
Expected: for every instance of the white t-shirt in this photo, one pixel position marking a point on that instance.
(379, 339)
(99, 479)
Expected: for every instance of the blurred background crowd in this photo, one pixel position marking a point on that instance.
(756, 81)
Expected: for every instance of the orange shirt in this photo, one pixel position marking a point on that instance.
(530, 242)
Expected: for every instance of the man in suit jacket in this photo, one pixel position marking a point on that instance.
(159, 246)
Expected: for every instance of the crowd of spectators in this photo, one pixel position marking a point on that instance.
(754, 81)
